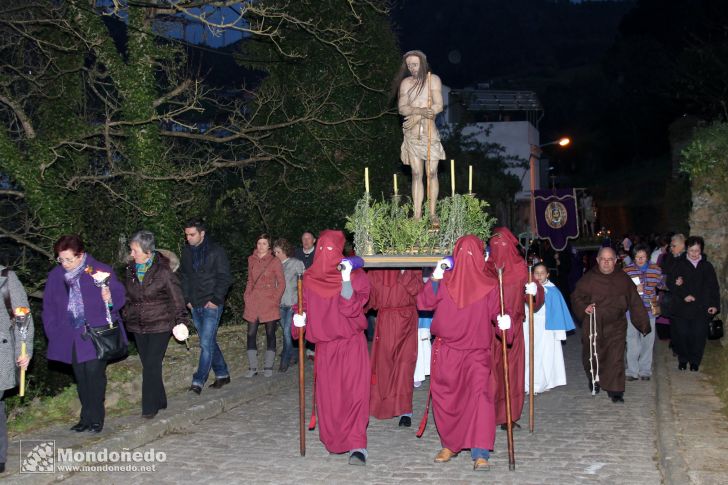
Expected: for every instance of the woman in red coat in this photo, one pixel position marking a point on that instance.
(263, 293)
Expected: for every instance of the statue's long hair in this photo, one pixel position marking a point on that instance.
(403, 72)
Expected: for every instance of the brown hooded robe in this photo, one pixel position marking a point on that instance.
(614, 294)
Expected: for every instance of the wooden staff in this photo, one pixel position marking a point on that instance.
(301, 374)
(509, 422)
(531, 346)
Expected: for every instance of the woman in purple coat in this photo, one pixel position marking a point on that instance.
(70, 300)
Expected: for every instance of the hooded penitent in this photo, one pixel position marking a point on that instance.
(323, 278)
(468, 282)
(504, 254)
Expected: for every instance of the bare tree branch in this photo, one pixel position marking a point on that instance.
(13, 193)
(21, 240)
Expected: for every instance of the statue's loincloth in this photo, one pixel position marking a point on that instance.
(414, 147)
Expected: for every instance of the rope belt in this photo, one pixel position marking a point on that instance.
(593, 350)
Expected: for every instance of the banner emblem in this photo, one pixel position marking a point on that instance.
(556, 215)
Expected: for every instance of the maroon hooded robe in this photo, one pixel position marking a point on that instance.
(336, 325)
(465, 305)
(504, 254)
(394, 352)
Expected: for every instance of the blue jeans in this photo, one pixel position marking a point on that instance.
(206, 322)
(476, 453)
(286, 321)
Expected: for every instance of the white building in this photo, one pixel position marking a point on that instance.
(510, 119)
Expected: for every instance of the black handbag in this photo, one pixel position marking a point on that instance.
(715, 329)
(108, 341)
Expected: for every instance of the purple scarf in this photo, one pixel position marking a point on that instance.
(75, 299)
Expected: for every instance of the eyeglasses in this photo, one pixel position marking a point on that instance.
(66, 260)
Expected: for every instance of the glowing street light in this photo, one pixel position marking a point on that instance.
(563, 141)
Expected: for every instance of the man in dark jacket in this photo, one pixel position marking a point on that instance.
(668, 263)
(306, 252)
(206, 278)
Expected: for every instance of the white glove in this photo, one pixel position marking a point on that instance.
(299, 320)
(439, 271)
(504, 322)
(531, 288)
(346, 272)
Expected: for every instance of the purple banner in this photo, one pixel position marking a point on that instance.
(557, 217)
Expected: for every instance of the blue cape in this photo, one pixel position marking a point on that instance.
(558, 316)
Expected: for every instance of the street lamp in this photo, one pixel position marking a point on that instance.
(535, 155)
(561, 142)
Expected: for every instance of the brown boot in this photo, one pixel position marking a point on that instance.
(444, 455)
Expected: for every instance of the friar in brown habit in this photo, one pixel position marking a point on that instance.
(601, 299)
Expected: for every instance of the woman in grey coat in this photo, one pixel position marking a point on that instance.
(12, 295)
(283, 250)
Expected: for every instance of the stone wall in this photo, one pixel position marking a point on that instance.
(708, 219)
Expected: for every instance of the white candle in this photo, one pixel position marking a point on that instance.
(470, 179)
(395, 184)
(452, 176)
(366, 179)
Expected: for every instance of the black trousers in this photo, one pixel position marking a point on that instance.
(152, 347)
(91, 387)
(688, 337)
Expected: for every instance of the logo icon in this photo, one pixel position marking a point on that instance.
(556, 215)
(37, 456)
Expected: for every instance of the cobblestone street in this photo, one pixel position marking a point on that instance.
(578, 439)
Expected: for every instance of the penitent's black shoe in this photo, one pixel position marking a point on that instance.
(514, 425)
(694, 368)
(95, 428)
(405, 421)
(682, 365)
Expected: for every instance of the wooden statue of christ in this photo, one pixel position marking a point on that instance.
(420, 100)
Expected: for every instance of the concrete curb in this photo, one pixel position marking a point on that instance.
(184, 413)
(672, 464)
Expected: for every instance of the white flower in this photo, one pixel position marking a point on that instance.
(181, 332)
(100, 276)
